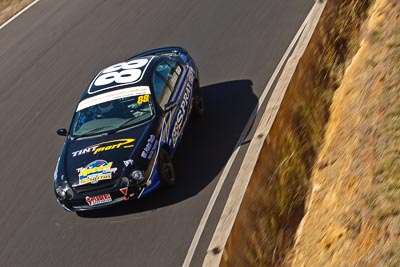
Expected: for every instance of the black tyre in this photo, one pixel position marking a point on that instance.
(198, 101)
(166, 168)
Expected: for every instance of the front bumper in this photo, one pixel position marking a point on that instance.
(79, 203)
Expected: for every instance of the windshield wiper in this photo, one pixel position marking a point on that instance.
(92, 131)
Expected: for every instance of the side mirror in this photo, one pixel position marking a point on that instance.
(169, 106)
(62, 132)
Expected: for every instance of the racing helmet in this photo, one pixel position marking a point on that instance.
(106, 106)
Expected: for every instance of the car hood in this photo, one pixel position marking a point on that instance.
(106, 157)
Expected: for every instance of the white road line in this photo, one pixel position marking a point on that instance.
(232, 158)
(231, 209)
(18, 14)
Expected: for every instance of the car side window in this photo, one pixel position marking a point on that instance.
(161, 90)
(165, 79)
(173, 75)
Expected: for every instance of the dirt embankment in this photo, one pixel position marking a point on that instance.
(9, 8)
(273, 206)
(352, 216)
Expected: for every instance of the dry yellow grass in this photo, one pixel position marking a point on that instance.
(274, 203)
(9, 8)
(353, 214)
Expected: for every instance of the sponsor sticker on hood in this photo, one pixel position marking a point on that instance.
(95, 171)
(128, 162)
(105, 146)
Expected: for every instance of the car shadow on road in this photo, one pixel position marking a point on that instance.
(207, 144)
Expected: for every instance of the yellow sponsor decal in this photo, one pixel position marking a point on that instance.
(96, 171)
(85, 172)
(106, 146)
(95, 179)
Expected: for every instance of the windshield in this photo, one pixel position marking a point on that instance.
(111, 111)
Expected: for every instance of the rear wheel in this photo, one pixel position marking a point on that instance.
(166, 169)
(198, 101)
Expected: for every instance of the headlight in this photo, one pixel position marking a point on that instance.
(64, 193)
(137, 175)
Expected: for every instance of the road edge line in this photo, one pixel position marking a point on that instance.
(231, 209)
(232, 158)
(18, 14)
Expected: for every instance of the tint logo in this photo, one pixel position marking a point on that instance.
(105, 146)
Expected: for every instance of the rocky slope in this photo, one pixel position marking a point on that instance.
(352, 213)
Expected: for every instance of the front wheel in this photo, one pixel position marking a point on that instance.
(166, 169)
(198, 101)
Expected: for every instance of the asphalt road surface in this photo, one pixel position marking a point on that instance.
(47, 57)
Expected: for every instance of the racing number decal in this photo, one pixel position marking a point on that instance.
(143, 99)
(126, 72)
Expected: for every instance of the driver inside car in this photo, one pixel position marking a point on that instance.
(113, 109)
(106, 109)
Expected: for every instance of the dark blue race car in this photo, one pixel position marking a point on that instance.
(126, 128)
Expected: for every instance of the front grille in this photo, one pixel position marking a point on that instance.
(105, 184)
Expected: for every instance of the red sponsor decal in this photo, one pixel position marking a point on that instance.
(96, 200)
(124, 191)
